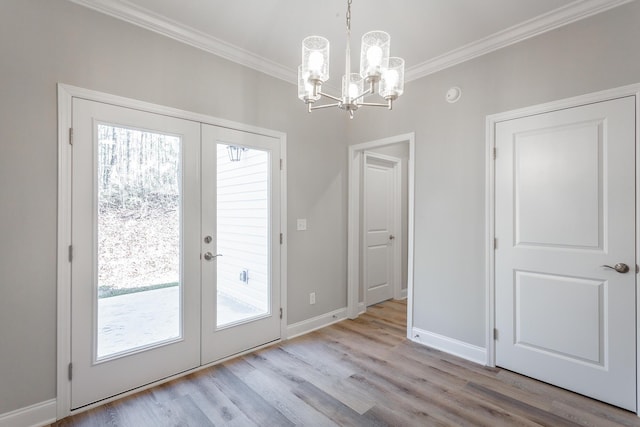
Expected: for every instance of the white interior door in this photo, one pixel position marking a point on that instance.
(241, 243)
(135, 233)
(380, 219)
(565, 208)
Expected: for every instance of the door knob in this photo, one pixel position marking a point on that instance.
(209, 256)
(391, 237)
(619, 267)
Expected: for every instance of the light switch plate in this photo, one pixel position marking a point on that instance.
(302, 224)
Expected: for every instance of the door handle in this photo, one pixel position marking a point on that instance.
(391, 237)
(209, 256)
(619, 267)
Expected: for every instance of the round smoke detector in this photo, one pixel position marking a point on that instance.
(453, 94)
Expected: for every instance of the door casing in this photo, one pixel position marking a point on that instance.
(66, 93)
(490, 179)
(356, 155)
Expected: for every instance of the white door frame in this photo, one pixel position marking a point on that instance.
(491, 121)
(66, 93)
(356, 155)
(397, 223)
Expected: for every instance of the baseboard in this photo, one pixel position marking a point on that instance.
(361, 308)
(403, 293)
(37, 415)
(315, 323)
(449, 345)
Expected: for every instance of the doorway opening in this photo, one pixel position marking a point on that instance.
(395, 154)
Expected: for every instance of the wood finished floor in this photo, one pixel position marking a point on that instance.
(361, 372)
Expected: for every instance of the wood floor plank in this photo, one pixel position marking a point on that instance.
(518, 406)
(182, 411)
(248, 400)
(295, 369)
(213, 402)
(280, 395)
(335, 409)
(361, 372)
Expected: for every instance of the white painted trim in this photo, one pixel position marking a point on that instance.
(316, 323)
(636, 88)
(39, 414)
(541, 24)
(399, 240)
(403, 293)
(284, 247)
(362, 308)
(491, 121)
(65, 95)
(92, 95)
(397, 221)
(63, 329)
(142, 17)
(490, 180)
(353, 234)
(461, 349)
(356, 151)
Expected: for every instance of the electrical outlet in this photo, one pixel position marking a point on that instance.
(312, 298)
(301, 224)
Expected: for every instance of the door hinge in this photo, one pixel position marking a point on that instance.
(495, 153)
(70, 371)
(281, 238)
(281, 312)
(495, 243)
(495, 333)
(70, 253)
(70, 136)
(281, 164)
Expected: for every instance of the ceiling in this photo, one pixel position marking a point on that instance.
(429, 34)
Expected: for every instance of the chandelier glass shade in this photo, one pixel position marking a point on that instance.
(378, 74)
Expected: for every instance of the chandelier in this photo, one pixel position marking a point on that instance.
(378, 72)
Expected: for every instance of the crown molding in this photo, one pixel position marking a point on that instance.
(557, 18)
(142, 17)
(131, 13)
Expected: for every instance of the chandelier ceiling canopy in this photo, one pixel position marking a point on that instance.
(379, 73)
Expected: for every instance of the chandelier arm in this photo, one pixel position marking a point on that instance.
(326, 95)
(318, 107)
(375, 104)
(363, 94)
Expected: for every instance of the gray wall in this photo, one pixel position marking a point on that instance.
(43, 42)
(591, 55)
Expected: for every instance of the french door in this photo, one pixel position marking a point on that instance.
(174, 259)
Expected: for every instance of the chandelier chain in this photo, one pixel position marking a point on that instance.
(349, 15)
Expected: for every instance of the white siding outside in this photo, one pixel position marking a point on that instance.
(243, 227)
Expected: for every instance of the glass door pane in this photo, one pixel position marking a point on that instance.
(241, 180)
(138, 239)
(243, 278)
(135, 273)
